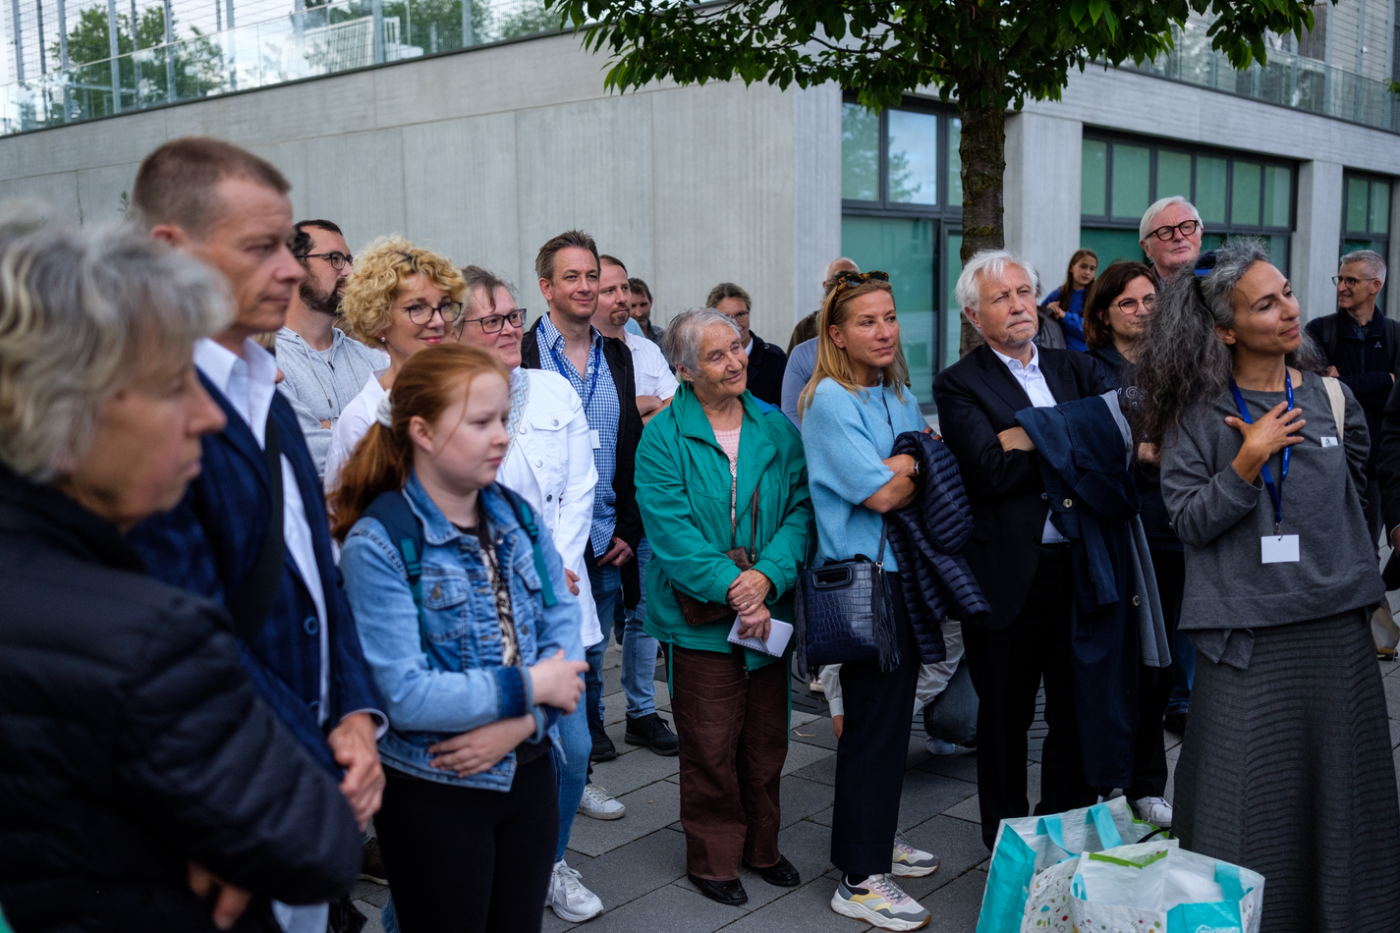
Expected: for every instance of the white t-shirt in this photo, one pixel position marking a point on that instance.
(1030, 378)
(654, 377)
(352, 425)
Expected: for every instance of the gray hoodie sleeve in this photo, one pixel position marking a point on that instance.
(318, 439)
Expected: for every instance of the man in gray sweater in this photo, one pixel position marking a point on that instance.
(323, 369)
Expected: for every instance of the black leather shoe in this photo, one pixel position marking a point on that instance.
(731, 893)
(603, 747)
(653, 732)
(1175, 722)
(783, 874)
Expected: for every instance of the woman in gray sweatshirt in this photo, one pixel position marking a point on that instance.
(1287, 768)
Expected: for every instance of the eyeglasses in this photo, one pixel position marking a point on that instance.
(338, 261)
(858, 278)
(420, 313)
(741, 318)
(492, 323)
(1185, 228)
(1350, 282)
(1131, 305)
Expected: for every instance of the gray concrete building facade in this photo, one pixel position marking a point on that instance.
(486, 152)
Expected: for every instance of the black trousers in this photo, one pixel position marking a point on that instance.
(872, 752)
(469, 860)
(1155, 685)
(1007, 666)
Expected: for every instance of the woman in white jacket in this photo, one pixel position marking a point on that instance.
(550, 463)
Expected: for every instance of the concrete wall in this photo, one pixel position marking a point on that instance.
(485, 154)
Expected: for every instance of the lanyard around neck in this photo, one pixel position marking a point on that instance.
(1275, 492)
(592, 381)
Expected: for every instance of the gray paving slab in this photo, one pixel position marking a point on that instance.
(926, 794)
(817, 732)
(957, 843)
(800, 798)
(802, 756)
(961, 765)
(648, 809)
(956, 906)
(806, 909)
(632, 871)
(806, 846)
(631, 771)
(673, 909)
(823, 771)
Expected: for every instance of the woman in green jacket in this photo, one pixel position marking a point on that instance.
(707, 464)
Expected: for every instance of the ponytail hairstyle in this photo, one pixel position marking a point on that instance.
(1184, 362)
(833, 362)
(430, 382)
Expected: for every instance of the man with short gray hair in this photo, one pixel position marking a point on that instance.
(1170, 235)
(1362, 347)
(1019, 556)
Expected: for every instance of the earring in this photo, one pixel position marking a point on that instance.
(381, 338)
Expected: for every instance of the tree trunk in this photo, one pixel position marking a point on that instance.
(983, 151)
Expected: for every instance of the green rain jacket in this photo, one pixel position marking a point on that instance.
(683, 488)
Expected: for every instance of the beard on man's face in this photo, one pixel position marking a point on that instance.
(316, 301)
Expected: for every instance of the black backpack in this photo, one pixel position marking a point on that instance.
(392, 511)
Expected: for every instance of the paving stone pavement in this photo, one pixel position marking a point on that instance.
(637, 864)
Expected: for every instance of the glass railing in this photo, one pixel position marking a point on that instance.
(318, 41)
(1287, 80)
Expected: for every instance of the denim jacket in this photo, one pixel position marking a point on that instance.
(448, 678)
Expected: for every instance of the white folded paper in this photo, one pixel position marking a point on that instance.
(779, 634)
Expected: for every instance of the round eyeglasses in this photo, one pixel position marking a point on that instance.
(420, 312)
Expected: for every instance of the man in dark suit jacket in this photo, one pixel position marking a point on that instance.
(767, 361)
(1019, 558)
(255, 539)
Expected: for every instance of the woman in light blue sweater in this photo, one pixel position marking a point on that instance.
(857, 402)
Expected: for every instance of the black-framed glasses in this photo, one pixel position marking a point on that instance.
(1351, 281)
(337, 260)
(1185, 228)
(422, 313)
(492, 323)
(1132, 305)
(843, 279)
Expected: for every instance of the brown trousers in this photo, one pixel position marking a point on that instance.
(732, 724)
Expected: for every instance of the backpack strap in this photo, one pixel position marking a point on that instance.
(526, 517)
(1339, 405)
(392, 511)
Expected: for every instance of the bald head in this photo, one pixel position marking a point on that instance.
(837, 265)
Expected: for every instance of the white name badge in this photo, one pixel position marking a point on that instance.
(1279, 549)
(1329, 442)
(597, 439)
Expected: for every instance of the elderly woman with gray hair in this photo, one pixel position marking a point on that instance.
(1287, 767)
(729, 534)
(137, 765)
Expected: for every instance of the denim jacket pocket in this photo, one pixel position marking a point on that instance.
(445, 622)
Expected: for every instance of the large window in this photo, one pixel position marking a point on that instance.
(1237, 194)
(901, 194)
(1366, 217)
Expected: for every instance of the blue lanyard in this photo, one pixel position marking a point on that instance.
(592, 382)
(1275, 492)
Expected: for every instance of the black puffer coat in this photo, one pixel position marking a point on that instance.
(927, 537)
(131, 743)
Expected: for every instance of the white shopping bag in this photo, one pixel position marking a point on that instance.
(1029, 845)
(1048, 905)
(1169, 891)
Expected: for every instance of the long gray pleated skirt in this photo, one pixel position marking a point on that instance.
(1287, 770)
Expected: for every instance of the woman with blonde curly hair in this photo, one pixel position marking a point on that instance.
(400, 298)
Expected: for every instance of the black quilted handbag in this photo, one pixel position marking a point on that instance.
(846, 614)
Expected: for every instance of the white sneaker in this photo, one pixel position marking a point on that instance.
(909, 862)
(1154, 810)
(880, 902)
(598, 804)
(816, 686)
(568, 898)
(939, 747)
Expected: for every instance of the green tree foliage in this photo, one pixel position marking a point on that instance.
(988, 56)
(144, 77)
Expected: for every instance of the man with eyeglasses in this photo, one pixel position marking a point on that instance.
(767, 362)
(1170, 235)
(323, 369)
(1362, 347)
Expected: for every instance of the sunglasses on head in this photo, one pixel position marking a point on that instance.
(853, 279)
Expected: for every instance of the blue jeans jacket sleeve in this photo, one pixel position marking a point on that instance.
(417, 697)
(562, 627)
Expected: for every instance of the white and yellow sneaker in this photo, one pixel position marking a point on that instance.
(909, 862)
(879, 901)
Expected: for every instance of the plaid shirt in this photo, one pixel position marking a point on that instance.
(600, 405)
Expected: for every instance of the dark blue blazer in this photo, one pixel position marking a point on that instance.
(208, 544)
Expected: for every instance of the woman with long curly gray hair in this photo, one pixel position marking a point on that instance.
(1286, 768)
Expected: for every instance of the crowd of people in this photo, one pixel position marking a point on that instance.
(311, 560)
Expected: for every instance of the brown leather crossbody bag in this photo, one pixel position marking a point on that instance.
(702, 612)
